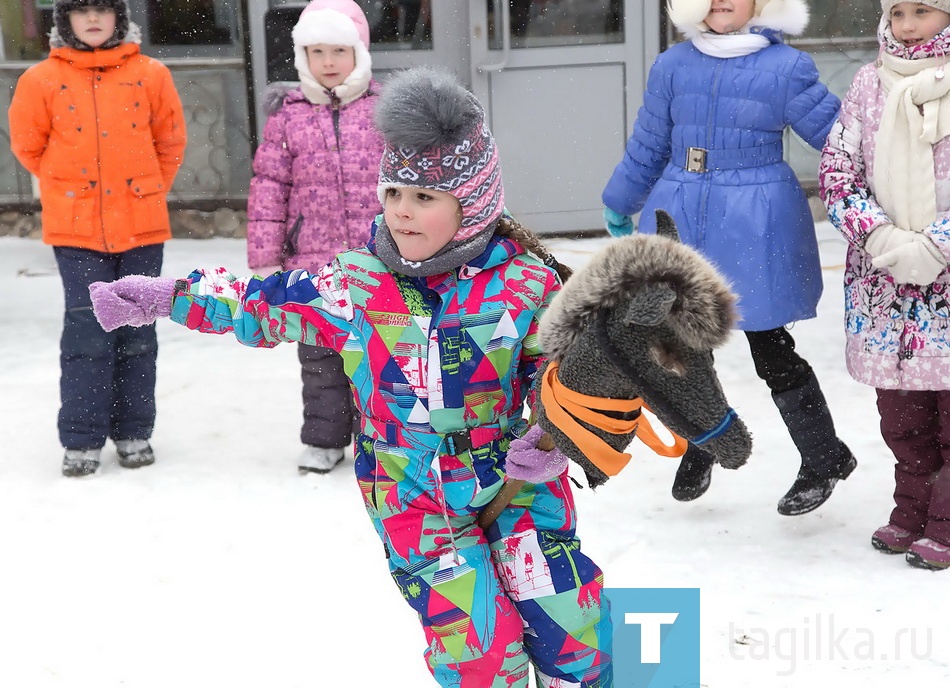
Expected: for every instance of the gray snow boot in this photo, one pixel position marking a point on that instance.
(825, 458)
(319, 459)
(80, 462)
(134, 453)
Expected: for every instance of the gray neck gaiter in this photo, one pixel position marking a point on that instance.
(454, 255)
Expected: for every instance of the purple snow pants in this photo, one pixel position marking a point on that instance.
(916, 427)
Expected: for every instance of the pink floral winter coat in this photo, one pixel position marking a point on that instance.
(898, 335)
(313, 194)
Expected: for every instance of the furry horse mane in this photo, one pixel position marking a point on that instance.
(702, 316)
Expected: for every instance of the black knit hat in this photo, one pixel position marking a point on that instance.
(64, 33)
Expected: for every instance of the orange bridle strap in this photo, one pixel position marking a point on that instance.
(563, 405)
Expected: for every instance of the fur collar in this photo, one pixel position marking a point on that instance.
(134, 35)
(702, 317)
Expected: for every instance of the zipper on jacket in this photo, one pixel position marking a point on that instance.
(289, 248)
(95, 107)
(710, 128)
(335, 110)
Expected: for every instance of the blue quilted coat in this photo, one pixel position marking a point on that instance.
(740, 204)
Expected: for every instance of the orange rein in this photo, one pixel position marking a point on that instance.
(563, 405)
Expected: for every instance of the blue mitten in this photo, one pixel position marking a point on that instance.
(533, 465)
(618, 225)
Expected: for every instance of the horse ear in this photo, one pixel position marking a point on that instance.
(651, 305)
(665, 227)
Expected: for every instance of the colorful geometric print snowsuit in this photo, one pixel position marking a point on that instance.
(437, 364)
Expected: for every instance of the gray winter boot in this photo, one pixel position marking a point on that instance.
(825, 458)
(319, 459)
(134, 453)
(80, 462)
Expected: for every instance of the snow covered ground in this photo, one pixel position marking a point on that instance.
(221, 566)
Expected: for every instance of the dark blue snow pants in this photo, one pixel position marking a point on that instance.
(107, 383)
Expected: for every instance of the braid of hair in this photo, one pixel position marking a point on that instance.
(510, 227)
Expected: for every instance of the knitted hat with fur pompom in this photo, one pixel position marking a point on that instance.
(62, 33)
(437, 138)
(787, 16)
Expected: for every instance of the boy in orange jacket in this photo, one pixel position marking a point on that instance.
(102, 127)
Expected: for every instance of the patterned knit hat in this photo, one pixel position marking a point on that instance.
(437, 138)
(62, 33)
(333, 22)
(943, 5)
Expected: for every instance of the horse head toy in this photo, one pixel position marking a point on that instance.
(636, 327)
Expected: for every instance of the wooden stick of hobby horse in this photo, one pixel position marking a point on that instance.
(508, 491)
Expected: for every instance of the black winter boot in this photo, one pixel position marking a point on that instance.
(825, 458)
(694, 474)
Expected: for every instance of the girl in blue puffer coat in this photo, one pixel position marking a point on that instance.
(707, 148)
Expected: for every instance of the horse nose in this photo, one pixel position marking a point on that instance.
(733, 447)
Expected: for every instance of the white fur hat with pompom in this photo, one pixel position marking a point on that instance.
(788, 16)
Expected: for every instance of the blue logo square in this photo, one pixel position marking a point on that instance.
(655, 637)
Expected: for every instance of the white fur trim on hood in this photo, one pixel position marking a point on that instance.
(788, 16)
(331, 28)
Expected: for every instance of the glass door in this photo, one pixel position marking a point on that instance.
(561, 80)
(404, 33)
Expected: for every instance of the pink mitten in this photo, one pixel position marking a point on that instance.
(135, 300)
(526, 462)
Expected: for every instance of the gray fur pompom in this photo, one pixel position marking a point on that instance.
(423, 107)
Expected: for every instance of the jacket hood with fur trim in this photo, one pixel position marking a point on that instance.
(787, 16)
(62, 36)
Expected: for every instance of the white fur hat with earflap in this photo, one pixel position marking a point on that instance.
(333, 22)
(788, 16)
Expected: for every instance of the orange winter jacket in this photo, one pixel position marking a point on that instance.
(104, 132)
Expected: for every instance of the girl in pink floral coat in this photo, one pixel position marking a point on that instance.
(885, 179)
(313, 194)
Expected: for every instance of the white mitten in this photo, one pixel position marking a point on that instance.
(919, 262)
(886, 238)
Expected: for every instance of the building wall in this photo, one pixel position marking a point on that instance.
(202, 41)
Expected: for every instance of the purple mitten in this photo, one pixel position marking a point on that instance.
(526, 462)
(135, 300)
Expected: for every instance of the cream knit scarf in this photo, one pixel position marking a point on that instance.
(916, 115)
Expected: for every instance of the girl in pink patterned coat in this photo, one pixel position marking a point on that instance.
(313, 194)
(885, 179)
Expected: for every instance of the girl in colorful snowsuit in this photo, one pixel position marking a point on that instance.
(885, 178)
(437, 322)
(707, 148)
(313, 194)
(102, 127)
